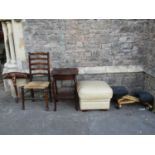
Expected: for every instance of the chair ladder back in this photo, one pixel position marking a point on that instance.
(39, 65)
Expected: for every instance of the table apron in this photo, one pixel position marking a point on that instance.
(64, 77)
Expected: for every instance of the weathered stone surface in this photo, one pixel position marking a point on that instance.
(132, 81)
(149, 84)
(110, 69)
(96, 43)
(150, 58)
(88, 43)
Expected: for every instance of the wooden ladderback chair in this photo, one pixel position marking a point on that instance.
(39, 69)
(39, 65)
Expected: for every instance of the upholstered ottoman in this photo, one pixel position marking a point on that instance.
(94, 95)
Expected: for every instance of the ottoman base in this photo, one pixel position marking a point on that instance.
(95, 105)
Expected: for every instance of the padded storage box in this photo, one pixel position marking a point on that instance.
(94, 95)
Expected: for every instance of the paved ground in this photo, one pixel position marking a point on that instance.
(35, 120)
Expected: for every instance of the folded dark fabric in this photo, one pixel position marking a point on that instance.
(144, 96)
(119, 91)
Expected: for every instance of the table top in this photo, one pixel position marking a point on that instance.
(64, 71)
(10, 75)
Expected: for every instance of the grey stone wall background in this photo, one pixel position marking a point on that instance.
(132, 81)
(150, 61)
(87, 43)
(149, 82)
(90, 43)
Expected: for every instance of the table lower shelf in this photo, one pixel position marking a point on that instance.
(65, 95)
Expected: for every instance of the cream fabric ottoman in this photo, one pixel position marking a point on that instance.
(94, 95)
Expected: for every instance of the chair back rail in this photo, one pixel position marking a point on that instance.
(39, 65)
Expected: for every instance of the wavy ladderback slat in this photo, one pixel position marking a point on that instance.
(39, 65)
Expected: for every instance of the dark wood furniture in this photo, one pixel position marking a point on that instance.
(61, 74)
(39, 68)
(1, 34)
(14, 76)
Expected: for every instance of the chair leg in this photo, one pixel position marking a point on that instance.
(50, 93)
(32, 95)
(23, 98)
(46, 99)
(55, 105)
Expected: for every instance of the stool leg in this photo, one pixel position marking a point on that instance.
(118, 106)
(153, 106)
(23, 98)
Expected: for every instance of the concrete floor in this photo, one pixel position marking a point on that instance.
(133, 119)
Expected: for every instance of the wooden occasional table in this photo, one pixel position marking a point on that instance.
(14, 76)
(61, 74)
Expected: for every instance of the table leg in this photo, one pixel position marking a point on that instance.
(23, 98)
(55, 85)
(54, 95)
(76, 94)
(32, 95)
(15, 86)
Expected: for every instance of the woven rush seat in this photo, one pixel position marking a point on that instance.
(36, 85)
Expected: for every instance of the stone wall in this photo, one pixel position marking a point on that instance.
(149, 82)
(88, 43)
(150, 61)
(132, 81)
(92, 43)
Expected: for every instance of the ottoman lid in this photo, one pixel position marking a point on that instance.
(94, 90)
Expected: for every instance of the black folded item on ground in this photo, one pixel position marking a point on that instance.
(118, 92)
(144, 97)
